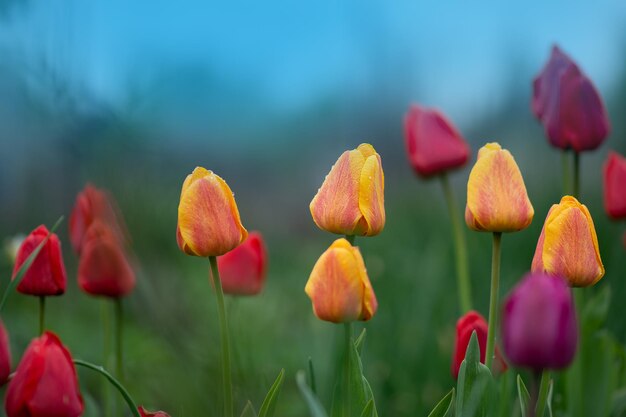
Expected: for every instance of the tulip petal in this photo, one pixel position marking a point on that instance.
(371, 195)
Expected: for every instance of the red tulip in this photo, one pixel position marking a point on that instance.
(46, 276)
(144, 413)
(568, 105)
(5, 355)
(242, 270)
(615, 186)
(103, 268)
(470, 322)
(45, 383)
(433, 144)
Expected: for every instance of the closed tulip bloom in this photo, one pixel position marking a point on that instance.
(45, 382)
(144, 413)
(46, 275)
(351, 200)
(539, 328)
(243, 269)
(433, 144)
(496, 195)
(465, 326)
(615, 186)
(5, 355)
(339, 287)
(568, 105)
(103, 268)
(568, 245)
(208, 218)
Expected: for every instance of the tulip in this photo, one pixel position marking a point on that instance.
(103, 268)
(5, 355)
(539, 323)
(351, 200)
(470, 322)
(496, 195)
(568, 105)
(568, 245)
(339, 287)
(45, 382)
(208, 219)
(615, 186)
(243, 269)
(144, 413)
(46, 275)
(433, 144)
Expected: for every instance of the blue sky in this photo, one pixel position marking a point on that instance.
(450, 53)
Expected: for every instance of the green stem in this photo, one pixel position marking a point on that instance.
(565, 162)
(493, 299)
(350, 239)
(462, 264)
(129, 400)
(575, 375)
(347, 412)
(577, 175)
(119, 333)
(228, 388)
(42, 314)
(106, 353)
(544, 387)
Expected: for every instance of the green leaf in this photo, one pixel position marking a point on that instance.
(368, 411)
(358, 343)
(596, 309)
(549, 402)
(524, 396)
(445, 407)
(269, 404)
(26, 265)
(248, 410)
(475, 386)
(312, 376)
(355, 399)
(315, 407)
(369, 395)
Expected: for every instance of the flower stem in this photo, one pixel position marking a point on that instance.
(106, 354)
(544, 387)
(577, 175)
(350, 239)
(346, 376)
(42, 314)
(493, 299)
(228, 387)
(119, 333)
(129, 400)
(565, 162)
(462, 264)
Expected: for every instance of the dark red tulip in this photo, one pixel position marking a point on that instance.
(243, 269)
(539, 328)
(568, 105)
(615, 186)
(45, 382)
(91, 204)
(433, 144)
(46, 276)
(103, 268)
(5, 355)
(144, 413)
(470, 322)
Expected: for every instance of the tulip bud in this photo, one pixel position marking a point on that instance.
(208, 219)
(242, 270)
(5, 355)
(46, 275)
(470, 322)
(568, 105)
(496, 195)
(539, 323)
(339, 287)
(568, 245)
(45, 382)
(144, 413)
(615, 186)
(351, 200)
(103, 268)
(433, 144)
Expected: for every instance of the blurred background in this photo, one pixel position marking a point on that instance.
(131, 96)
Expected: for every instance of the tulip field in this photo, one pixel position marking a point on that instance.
(486, 278)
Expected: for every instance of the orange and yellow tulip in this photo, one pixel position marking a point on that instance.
(568, 245)
(208, 218)
(496, 195)
(351, 200)
(339, 287)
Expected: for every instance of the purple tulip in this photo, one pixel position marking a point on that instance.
(568, 105)
(539, 323)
